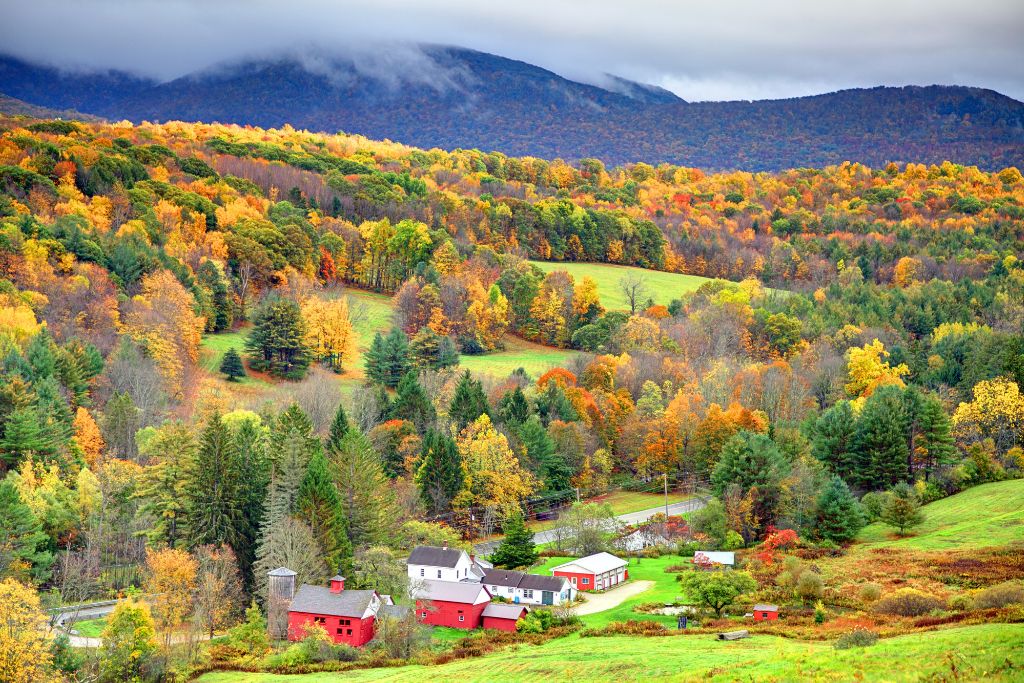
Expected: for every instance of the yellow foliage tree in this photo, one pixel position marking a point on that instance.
(997, 413)
(88, 437)
(329, 331)
(171, 574)
(487, 316)
(868, 370)
(546, 311)
(494, 476)
(24, 648)
(906, 271)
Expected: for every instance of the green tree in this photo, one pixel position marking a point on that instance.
(121, 419)
(881, 440)
(516, 548)
(388, 359)
(839, 518)
(170, 450)
(440, 475)
(292, 444)
(514, 409)
(339, 428)
(902, 509)
(833, 436)
(254, 464)
(319, 505)
(931, 441)
(129, 644)
(749, 459)
(469, 401)
(277, 342)
(366, 494)
(548, 464)
(433, 351)
(717, 589)
(212, 494)
(413, 404)
(26, 437)
(231, 365)
(22, 541)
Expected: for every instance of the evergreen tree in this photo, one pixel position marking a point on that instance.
(22, 541)
(212, 279)
(232, 365)
(902, 509)
(469, 402)
(376, 360)
(292, 445)
(749, 459)
(277, 342)
(413, 404)
(388, 359)
(339, 428)
(432, 350)
(546, 462)
(212, 493)
(25, 437)
(252, 495)
(121, 420)
(880, 440)
(832, 441)
(440, 476)
(931, 442)
(366, 494)
(839, 517)
(319, 505)
(513, 409)
(516, 548)
(552, 404)
(447, 354)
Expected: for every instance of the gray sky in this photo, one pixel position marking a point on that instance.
(731, 49)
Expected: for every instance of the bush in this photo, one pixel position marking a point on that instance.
(1000, 595)
(870, 592)
(908, 602)
(872, 504)
(633, 627)
(733, 541)
(316, 647)
(537, 621)
(810, 587)
(961, 602)
(858, 637)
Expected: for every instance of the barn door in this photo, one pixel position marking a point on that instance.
(547, 598)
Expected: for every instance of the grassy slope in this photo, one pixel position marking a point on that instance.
(987, 515)
(518, 353)
(663, 286)
(91, 628)
(698, 657)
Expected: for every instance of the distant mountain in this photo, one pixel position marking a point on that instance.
(10, 105)
(453, 98)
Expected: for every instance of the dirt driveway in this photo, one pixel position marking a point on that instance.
(599, 602)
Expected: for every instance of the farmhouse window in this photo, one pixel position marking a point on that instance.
(349, 631)
(527, 593)
(424, 615)
(462, 617)
(439, 573)
(586, 581)
(422, 571)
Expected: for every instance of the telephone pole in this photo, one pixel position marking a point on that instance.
(666, 495)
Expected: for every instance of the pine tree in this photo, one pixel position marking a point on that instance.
(447, 354)
(292, 444)
(376, 360)
(339, 428)
(440, 476)
(213, 489)
(839, 518)
(880, 440)
(413, 404)
(252, 495)
(121, 420)
(319, 505)
(902, 509)
(25, 437)
(514, 410)
(232, 365)
(469, 402)
(366, 494)
(517, 548)
(549, 465)
(22, 541)
(277, 343)
(832, 442)
(931, 443)
(388, 359)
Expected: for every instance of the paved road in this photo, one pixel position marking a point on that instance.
(695, 503)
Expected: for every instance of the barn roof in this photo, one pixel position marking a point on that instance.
(498, 610)
(766, 608)
(432, 556)
(597, 563)
(320, 600)
(397, 611)
(502, 577)
(451, 591)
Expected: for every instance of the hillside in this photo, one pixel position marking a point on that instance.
(983, 516)
(463, 98)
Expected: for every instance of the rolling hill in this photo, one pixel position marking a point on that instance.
(454, 97)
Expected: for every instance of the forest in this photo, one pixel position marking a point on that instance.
(857, 346)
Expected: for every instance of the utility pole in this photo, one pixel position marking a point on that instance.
(666, 495)
(577, 494)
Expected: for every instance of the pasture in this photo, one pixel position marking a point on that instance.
(662, 286)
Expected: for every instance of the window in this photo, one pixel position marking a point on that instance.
(527, 593)
(339, 630)
(573, 580)
(422, 571)
(462, 617)
(350, 632)
(511, 590)
(320, 620)
(424, 615)
(586, 581)
(439, 573)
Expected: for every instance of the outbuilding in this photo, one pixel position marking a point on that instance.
(503, 616)
(766, 612)
(347, 616)
(450, 603)
(597, 572)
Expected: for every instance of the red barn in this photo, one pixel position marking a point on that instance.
(503, 616)
(766, 612)
(448, 603)
(347, 616)
(595, 572)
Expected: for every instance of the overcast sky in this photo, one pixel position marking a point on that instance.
(730, 49)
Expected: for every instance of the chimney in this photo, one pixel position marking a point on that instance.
(337, 583)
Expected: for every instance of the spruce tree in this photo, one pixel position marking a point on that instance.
(212, 492)
(277, 342)
(439, 477)
(367, 497)
(252, 495)
(839, 517)
(413, 404)
(902, 509)
(339, 428)
(469, 402)
(516, 549)
(376, 360)
(447, 354)
(319, 505)
(514, 409)
(22, 540)
(232, 366)
(545, 461)
(880, 440)
(397, 361)
(25, 437)
(292, 445)
(832, 441)
(932, 443)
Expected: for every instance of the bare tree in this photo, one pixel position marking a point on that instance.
(218, 596)
(634, 288)
(318, 397)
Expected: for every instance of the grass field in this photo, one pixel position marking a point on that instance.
(91, 628)
(994, 654)
(622, 502)
(663, 287)
(986, 515)
(518, 353)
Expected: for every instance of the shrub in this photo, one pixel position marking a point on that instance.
(872, 504)
(537, 621)
(908, 602)
(870, 592)
(961, 602)
(858, 637)
(810, 587)
(733, 541)
(633, 627)
(1000, 595)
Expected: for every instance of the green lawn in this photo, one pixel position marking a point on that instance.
(991, 652)
(214, 346)
(518, 353)
(662, 286)
(986, 515)
(90, 628)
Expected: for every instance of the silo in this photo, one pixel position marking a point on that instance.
(281, 591)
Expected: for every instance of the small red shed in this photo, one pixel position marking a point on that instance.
(503, 616)
(449, 603)
(766, 612)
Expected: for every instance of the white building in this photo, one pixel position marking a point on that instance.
(429, 562)
(529, 589)
(597, 572)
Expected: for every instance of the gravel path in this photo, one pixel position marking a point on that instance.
(599, 602)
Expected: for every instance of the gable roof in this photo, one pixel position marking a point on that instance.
(502, 577)
(766, 608)
(320, 600)
(539, 582)
(597, 563)
(499, 610)
(716, 557)
(452, 591)
(432, 556)
(397, 611)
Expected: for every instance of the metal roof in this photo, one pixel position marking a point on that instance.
(282, 571)
(451, 591)
(502, 577)
(499, 610)
(597, 563)
(320, 600)
(432, 556)
(766, 608)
